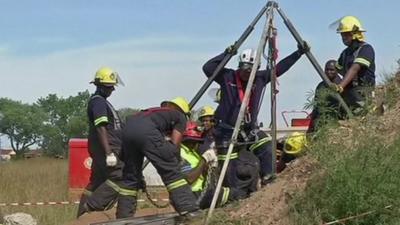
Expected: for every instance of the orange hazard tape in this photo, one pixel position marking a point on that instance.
(61, 203)
(37, 203)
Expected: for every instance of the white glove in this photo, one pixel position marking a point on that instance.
(111, 159)
(214, 164)
(210, 156)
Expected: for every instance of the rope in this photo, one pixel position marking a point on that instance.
(211, 181)
(354, 217)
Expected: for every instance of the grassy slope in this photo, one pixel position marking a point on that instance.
(355, 169)
(359, 165)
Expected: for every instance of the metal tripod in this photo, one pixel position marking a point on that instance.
(268, 36)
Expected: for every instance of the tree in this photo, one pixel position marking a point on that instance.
(66, 119)
(124, 112)
(21, 123)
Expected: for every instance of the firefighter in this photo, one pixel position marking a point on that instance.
(356, 64)
(325, 105)
(290, 147)
(104, 139)
(206, 118)
(199, 169)
(144, 136)
(232, 84)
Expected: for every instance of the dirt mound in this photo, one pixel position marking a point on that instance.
(269, 205)
(96, 217)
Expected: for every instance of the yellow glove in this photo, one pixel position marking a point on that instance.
(336, 87)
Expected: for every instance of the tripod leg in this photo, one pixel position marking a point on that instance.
(312, 59)
(222, 64)
(260, 49)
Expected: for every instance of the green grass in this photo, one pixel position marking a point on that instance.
(358, 172)
(42, 180)
(362, 179)
(34, 180)
(359, 168)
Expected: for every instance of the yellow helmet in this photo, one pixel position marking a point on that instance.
(106, 76)
(181, 102)
(349, 24)
(206, 111)
(295, 143)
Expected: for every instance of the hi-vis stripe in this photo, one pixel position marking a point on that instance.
(176, 184)
(120, 190)
(362, 61)
(225, 196)
(259, 143)
(338, 66)
(87, 192)
(100, 120)
(233, 156)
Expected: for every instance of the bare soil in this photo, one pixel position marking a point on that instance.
(96, 217)
(269, 205)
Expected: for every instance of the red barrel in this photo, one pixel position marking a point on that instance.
(79, 163)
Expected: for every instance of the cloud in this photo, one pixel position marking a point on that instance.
(152, 68)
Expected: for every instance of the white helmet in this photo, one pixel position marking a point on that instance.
(247, 56)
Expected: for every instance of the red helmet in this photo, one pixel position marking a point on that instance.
(192, 132)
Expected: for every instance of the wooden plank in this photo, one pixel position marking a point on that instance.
(161, 219)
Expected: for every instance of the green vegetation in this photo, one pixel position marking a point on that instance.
(34, 180)
(47, 124)
(66, 118)
(43, 180)
(358, 170)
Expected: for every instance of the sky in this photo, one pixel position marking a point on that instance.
(158, 47)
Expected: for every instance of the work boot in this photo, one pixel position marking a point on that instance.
(104, 198)
(189, 217)
(183, 199)
(126, 206)
(267, 179)
(82, 208)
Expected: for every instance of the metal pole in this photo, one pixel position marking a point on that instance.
(272, 72)
(239, 119)
(227, 57)
(222, 64)
(312, 59)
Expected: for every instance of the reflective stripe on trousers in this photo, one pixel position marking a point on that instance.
(121, 191)
(176, 184)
